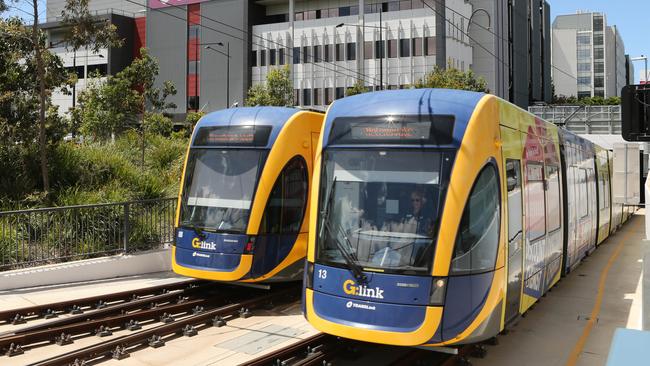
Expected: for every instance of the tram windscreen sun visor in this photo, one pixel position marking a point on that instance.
(255, 136)
(399, 130)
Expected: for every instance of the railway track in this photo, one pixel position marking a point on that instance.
(183, 311)
(80, 306)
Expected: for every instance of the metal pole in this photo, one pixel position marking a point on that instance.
(74, 87)
(381, 46)
(227, 74)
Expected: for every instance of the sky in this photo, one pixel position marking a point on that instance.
(629, 16)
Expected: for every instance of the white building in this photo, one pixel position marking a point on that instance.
(331, 44)
(588, 56)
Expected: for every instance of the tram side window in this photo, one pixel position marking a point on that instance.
(286, 205)
(535, 206)
(478, 235)
(513, 177)
(553, 198)
(583, 204)
(606, 193)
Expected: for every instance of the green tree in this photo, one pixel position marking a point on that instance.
(278, 90)
(452, 78)
(357, 88)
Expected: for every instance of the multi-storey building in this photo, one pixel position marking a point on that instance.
(588, 56)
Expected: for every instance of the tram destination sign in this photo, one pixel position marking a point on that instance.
(233, 136)
(407, 130)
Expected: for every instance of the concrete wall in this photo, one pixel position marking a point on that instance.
(213, 75)
(119, 58)
(564, 51)
(167, 42)
(87, 270)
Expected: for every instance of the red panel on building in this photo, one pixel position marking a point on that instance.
(194, 14)
(140, 36)
(193, 50)
(193, 86)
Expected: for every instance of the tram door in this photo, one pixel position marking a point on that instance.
(512, 163)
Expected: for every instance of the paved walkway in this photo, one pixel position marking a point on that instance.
(558, 330)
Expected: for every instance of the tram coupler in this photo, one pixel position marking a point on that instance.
(119, 353)
(18, 319)
(14, 350)
(189, 331)
(166, 318)
(133, 325)
(245, 313)
(218, 321)
(156, 341)
(63, 339)
(49, 314)
(75, 309)
(103, 331)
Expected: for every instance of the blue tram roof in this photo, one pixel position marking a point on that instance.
(459, 103)
(275, 117)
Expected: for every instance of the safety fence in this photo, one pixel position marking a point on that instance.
(49, 235)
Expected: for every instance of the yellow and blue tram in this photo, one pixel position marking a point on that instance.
(243, 203)
(440, 216)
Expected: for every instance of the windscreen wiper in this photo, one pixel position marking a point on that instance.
(198, 231)
(348, 257)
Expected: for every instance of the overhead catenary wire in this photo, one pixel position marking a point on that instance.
(352, 73)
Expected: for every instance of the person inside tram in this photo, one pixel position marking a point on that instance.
(416, 221)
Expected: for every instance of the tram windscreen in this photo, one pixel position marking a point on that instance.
(219, 188)
(381, 207)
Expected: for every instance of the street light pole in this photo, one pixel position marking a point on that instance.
(381, 45)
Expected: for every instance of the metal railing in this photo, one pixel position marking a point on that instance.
(48, 235)
(597, 120)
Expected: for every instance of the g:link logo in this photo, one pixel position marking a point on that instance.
(199, 244)
(350, 288)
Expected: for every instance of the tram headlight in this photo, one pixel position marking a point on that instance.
(438, 290)
(309, 275)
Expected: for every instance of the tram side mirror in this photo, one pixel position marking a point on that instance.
(635, 112)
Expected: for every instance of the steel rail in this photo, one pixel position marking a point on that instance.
(118, 347)
(309, 351)
(17, 316)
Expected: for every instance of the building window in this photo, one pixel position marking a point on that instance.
(584, 39)
(254, 58)
(340, 92)
(584, 54)
(599, 67)
(418, 4)
(584, 80)
(352, 51)
(582, 94)
(598, 39)
(367, 50)
(306, 97)
(598, 23)
(193, 102)
(405, 5)
(392, 48)
(344, 11)
(328, 95)
(340, 51)
(306, 55)
(296, 96)
(317, 100)
(584, 67)
(272, 56)
(97, 70)
(416, 45)
(262, 57)
(296, 55)
(379, 48)
(404, 47)
(281, 56)
(299, 16)
(327, 53)
(333, 12)
(430, 46)
(599, 81)
(599, 53)
(391, 6)
(317, 53)
(599, 93)
(311, 14)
